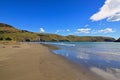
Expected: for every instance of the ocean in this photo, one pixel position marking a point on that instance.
(103, 56)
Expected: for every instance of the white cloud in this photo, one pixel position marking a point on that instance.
(106, 30)
(86, 25)
(110, 10)
(83, 30)
(114, 18)
(94, 31)
(67, 30)
(42, 30)
(57, 31)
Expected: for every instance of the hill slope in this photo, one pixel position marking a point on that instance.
(5, 28)
(8, 32)
(72, 38)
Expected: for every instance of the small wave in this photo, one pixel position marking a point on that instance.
(63, 44)
(66, 44)
(107, 75)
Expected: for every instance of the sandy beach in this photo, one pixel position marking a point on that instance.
(36, 62)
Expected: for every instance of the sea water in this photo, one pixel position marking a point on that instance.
(101, 55)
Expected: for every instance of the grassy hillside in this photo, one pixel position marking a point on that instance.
(52, 37)
(72, 38)
(10, 33)
(5, 28)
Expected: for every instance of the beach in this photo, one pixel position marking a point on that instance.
(35, 62)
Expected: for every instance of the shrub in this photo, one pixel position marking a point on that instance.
(27, 40)
(1, 39)
(8, 39)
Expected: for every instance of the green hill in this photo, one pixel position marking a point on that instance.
(72, 38)
(5, 28)
(8, 32)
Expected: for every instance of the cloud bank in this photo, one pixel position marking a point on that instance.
(90, 31)
(110, 10)
(106, 30)
(63, 30)
(83, 30)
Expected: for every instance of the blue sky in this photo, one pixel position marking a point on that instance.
(64, 17)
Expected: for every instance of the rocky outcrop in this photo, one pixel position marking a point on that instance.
(118, 40)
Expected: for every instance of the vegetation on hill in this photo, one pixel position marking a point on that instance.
(10, 33)
(5, 28)
(72, 38)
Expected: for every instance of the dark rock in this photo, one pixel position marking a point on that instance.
(118, 40)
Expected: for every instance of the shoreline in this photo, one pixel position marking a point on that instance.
(78, 66)
(36, 62)
(104, 74)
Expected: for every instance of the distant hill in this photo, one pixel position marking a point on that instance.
(8, 32)
(72, 38)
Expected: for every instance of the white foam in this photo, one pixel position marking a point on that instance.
(64, 44)
(107, 75)
(82, 56)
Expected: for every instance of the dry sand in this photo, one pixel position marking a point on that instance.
(36, 62)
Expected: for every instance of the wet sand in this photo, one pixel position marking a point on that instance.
(36, 62)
